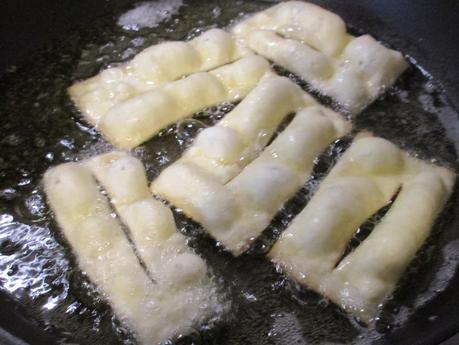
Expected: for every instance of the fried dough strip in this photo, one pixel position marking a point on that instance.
(314, 44)
(363, 181)
(156, 65)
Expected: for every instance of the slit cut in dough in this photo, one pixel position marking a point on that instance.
(136, 120)
(235, 212)
(156, 65)
(179, 295)
(314, 44)
(364, 180)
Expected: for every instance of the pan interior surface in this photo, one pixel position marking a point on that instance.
(39, 278)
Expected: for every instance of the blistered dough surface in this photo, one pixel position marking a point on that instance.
(313, 43)
(175, 292)
(364, 180)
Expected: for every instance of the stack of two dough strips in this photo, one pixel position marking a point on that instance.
(237, 175)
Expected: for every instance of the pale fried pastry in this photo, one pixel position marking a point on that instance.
(364, 180)
(231, 183)
(313, 43)
(176, 292)
(156, 65)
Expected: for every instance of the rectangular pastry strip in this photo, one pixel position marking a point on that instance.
(130, 123)
(364, 180)
(180, 295)
(314, 44)
(156, 65)
(237, 212)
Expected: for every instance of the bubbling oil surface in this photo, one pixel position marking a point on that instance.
(40, 128)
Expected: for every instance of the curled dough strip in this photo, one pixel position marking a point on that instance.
(238, 211)
(156, 65)
(313, 43)
(136, 120)
(180, 294)
(363, 181)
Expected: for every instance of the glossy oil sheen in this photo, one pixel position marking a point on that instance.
(40, 127)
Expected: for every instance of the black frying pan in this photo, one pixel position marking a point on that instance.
(425, 30)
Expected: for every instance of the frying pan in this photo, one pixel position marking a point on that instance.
(426, 31)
